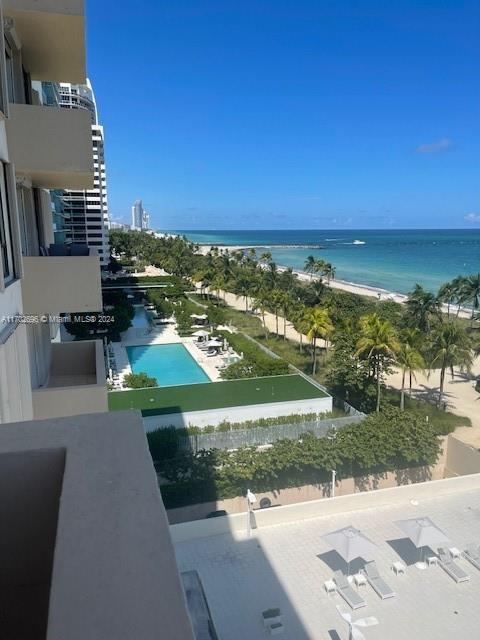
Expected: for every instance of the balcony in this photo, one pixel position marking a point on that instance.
(61, 284)
(52, 35)
(76, 384)
(52, 146)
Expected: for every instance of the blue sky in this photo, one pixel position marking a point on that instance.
(290, 113)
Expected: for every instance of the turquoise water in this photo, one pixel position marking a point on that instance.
(141, 319)
(170, 364)
(391, 260)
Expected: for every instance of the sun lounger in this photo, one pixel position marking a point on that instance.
(350, 596)
(454, 571)
(472, 554)
(377, 583)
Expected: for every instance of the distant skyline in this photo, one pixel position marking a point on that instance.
(290, 114)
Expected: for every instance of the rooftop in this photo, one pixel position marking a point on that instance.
(215, 395)
(285, 565)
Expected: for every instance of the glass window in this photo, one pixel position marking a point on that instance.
(5, 233)
(10, 73)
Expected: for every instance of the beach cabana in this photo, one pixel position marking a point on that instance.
(350, 543)
(201, 334)
(199, 319)
(423, 532)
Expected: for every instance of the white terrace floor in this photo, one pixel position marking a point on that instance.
(286, 565)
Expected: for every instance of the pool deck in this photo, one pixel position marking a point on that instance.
(165, 334)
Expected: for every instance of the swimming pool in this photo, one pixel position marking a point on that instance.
(169, 364)
(141, 319)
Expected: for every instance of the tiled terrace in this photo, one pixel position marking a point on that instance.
(286, 565)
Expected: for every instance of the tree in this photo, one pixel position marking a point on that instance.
(451, 346)
(422, 308)
(319, 326)
(309, 266)
(378, 343)
(300, 322)
(260, 302)
(139, 381)
(472, 292)
(329, 271)
(276, 300)
(242, 289)
(410, 360)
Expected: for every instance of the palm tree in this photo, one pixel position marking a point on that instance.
(472, 292)
(266, 257)
(447, 295)
(378, 343)
(300, 323)
(329, 271)
(218, 285)
(260, 302)
(242, 288)
(286, 302)
(451, 346)
(410, 360)
(319, 325)
(309, 266)
(414, 338)
(422, 307)
(319, 267)
(270, 276)
(276, 300)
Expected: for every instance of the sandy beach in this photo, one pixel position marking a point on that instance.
(350, 287)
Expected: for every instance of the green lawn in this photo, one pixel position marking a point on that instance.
(214, 395)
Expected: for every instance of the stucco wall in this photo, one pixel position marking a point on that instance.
(318, 508)
(238, 414)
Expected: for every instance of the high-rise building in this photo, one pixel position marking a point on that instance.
(140, 218)
(66, 508)
(88, 210)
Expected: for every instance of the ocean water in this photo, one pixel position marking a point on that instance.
(390, 260)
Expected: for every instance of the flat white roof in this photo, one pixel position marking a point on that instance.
(286, 565)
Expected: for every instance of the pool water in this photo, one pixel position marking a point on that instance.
(169, 364)
(141, 319)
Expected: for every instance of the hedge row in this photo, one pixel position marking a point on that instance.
(388, 441)
(255, 363)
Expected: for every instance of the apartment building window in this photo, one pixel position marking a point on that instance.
(10, 72)
(6, 245)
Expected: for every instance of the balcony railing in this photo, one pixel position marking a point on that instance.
(61, 283)
(52, 35)
(51, 145)
(76, 383)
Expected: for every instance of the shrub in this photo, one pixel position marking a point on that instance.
(139, 381)
(255, 363)
(387, 441)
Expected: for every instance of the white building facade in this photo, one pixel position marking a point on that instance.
(88, 210)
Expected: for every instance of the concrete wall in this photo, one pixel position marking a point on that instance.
(462, 459)
(52, 34)
(69, 284)
(320, 508)
(51, 145)
(114, 571)
(239, 414)
(30, 487)
(74, 366)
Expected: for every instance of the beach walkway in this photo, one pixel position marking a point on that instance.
(461, 397)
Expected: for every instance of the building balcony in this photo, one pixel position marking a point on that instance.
(52, 35)
(76, 383)
(61, 284)
(51, 145)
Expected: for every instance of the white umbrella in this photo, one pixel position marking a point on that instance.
(214, 343)
(201, 333)
(202, 317)
(351, 543)
(423, 532)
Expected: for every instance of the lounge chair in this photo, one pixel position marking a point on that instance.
(472, 554)
(377, 583)
(454, 571)
(350, 596)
